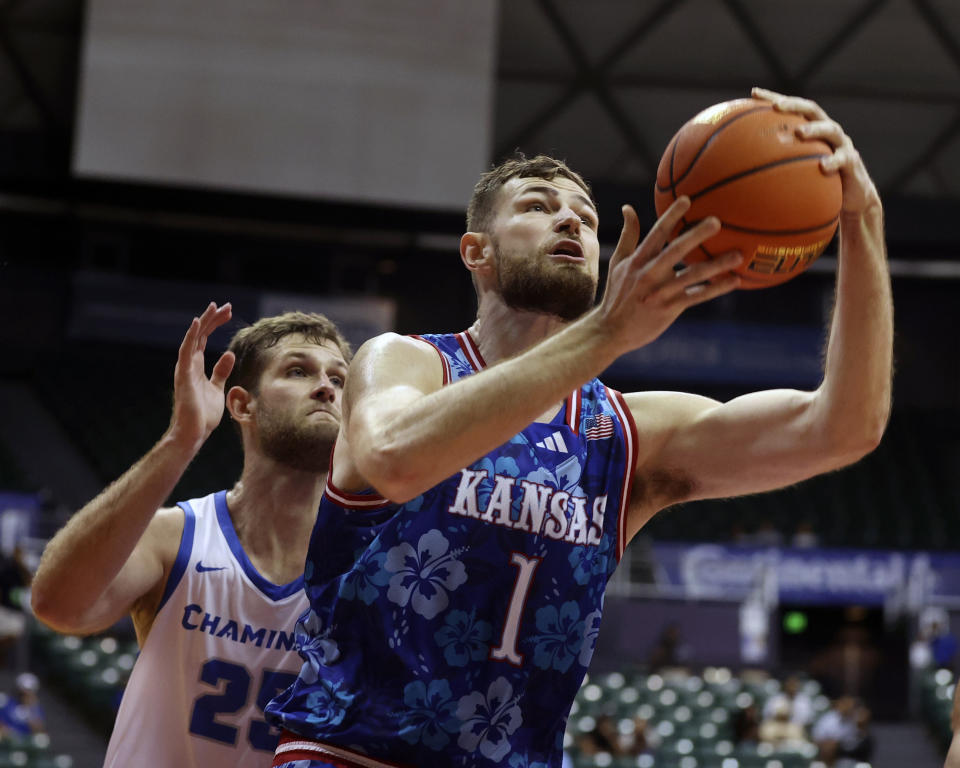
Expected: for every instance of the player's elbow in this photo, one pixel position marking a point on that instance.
(49, 607)
(847, 444)
(865, 435)
(844, 430)
(391, 472)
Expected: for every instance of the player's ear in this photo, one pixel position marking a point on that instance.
(241, 404)
(476, 252)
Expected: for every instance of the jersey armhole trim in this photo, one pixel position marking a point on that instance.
(354, 500)
(183, 553)
(471, 349)
(573, 410)
(630, 449)
(351, 500)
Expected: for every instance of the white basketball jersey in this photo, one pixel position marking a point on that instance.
(221, 646)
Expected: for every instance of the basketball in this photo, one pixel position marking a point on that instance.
(742, 162)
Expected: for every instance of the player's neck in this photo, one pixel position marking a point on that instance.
(273, 507)
(501, 331)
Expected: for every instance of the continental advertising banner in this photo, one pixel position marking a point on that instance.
(809, 575)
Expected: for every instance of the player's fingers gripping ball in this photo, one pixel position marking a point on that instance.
(742, 162)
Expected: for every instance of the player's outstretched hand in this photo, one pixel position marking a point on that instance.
(645, 291)
(859, 191)
(198, 401)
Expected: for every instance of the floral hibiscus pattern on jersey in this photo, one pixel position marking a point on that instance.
(429, 715)
(489, 719)
(560, 638)
(463, 638)
(424, 576)
(367, 577)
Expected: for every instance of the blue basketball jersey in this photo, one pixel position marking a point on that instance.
(455, 629)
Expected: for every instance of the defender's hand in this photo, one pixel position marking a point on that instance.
(198, 401)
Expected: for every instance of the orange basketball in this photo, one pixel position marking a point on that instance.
(742, 162)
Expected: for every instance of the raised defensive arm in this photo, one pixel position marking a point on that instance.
(117, 549)
(698, 448)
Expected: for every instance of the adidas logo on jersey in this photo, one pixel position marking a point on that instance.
(554, 443)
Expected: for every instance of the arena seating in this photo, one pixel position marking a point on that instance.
(31, 752)
(692, 717)
(901, 496)
(90, 671)
(936, 702)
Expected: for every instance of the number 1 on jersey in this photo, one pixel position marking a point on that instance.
(507, 650)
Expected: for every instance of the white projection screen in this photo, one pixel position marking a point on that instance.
(380, 101)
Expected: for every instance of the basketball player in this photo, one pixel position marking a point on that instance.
(485, 484)
(214, 585)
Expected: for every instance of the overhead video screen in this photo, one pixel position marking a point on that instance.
(375, 101)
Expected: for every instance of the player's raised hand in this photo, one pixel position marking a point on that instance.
(859, 191)
(198, 401)
(645, 291)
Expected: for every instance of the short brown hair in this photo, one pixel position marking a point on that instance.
(250, 343)
(482, 203)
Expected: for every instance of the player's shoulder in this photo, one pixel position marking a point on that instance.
(663, 408)
(397, 355)
(396, 343)
(165, 531)
(169, 515)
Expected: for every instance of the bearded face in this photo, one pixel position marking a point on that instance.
(297, 442)
(532, 283)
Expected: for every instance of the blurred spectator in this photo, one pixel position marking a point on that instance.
(848, 666)
(779, 731)
(644, 739)
(607, 736)
(738, 534)
(670, 650)
(767, 535)
(746, 725)
(943, 645)
(23, 715)
(804, 537)
(14, 577)
(602, 738)
(921, 653)
(844, 732)
(799, 705)
(587, 743)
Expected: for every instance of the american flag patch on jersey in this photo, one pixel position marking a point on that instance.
(598, 427)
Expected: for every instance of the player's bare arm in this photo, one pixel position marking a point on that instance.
(953, 754)
(404, 432)
(113, 555)
(698, 448)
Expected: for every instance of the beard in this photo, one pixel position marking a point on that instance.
(297, 442)
(530, 284)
